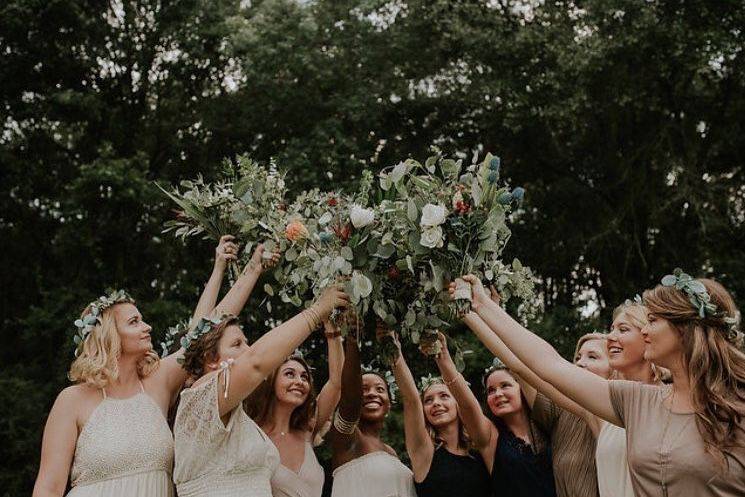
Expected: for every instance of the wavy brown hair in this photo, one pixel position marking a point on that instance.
(260, 404)
(205, 348)
(715, 366)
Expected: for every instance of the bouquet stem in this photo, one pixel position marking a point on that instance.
(463, 296)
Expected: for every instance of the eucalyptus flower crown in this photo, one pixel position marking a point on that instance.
(92, 318)
(429, 380)
(188, 336)
(701, 301)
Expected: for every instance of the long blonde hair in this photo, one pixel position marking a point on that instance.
(636, 312)
(715, 366)
(97, 361)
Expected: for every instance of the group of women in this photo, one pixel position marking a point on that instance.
(653, 408)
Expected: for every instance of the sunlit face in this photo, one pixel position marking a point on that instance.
(375, 400)
(134, 333)
(440, 407)
(662, 341)
(232, 344)
(292, 383)
(625, 344)
(593, 356)
(503, 393)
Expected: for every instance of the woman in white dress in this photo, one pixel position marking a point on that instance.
(287, 409)
(364, 465)
(220, 451)
(108, 432)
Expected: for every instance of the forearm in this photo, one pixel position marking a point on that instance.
(473, 418)
(239, 293)
(406, 384)
(497, 347)
(328, 398)
(350, 404)
(208, 299)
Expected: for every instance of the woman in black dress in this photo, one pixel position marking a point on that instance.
(442, 460)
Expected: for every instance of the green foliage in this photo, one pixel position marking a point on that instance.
(623, 121)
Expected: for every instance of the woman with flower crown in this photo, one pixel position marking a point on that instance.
(286, 408)
(439, 448)
(364, 465)
(108, 432)
(219, 450)
(686, 438)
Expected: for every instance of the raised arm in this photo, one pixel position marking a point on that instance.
(350, 404)
(529, 381)
(268, 352)
(239, 293)
(419, 445)
(328, 398)
(58, 446)
(481, 430)
(585, 388)
(170, 370)
(225, 253)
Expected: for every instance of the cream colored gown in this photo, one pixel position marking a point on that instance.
(125, 449)
(218, 460)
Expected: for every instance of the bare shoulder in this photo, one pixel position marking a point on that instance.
(75, 394)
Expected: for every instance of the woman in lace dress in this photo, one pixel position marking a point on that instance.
(220, 451)
(108, 433)
(364, 465)
(287, 409)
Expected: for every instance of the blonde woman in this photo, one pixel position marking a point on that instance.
(287, 409)
(684, 439)
(108, 432)
(220, 451)
(439, 449)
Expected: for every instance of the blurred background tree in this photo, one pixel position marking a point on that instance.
(622, 120)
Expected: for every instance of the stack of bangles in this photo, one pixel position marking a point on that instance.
(312, 317)
(343, 426)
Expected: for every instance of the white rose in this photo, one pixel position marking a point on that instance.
(361, 217)
(398, 172)
(432, 237)
(433, 215)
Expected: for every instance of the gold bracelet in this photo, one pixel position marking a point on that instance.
(314, 320)
(342, 425)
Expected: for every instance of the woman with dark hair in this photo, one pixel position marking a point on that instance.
(365, 466)
(436, 440)
(286, 408)
(219, 450)
(684, 439)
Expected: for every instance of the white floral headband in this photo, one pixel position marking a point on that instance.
(92, 318)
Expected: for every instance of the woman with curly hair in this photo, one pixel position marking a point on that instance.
(686, 438)
(219, 450)
(108, 432)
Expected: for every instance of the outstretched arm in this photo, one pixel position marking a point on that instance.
(481, 430)
(585, 388)
(328, 398)
(530, 382)
(419, 445)
(269, 351)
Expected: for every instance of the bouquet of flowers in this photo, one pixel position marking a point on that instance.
(249, 202)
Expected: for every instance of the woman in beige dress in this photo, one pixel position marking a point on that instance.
(108, 432)
(364, 465)
(287, 409)
(684, 439)
(219, 450)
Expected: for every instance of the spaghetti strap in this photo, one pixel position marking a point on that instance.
(142, 387)
(103, 391)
